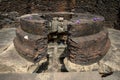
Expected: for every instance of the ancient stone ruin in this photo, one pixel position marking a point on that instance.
(60, 39)
(83, 37)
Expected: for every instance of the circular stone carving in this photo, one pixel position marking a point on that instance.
(88, 49)
(32, 47)
(34, 24)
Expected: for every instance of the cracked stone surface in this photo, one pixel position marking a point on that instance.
(6, 37)
(112, 58)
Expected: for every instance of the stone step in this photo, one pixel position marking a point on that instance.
(60, 76)
(53, 76)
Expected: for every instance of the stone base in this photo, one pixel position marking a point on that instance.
(101, 68)
(71, 67)
(109, 63)
(12, 62)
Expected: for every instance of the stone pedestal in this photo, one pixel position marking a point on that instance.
(10, 60)
(109, 63)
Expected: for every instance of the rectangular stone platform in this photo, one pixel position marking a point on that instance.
(53, 76)
(60, 76)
